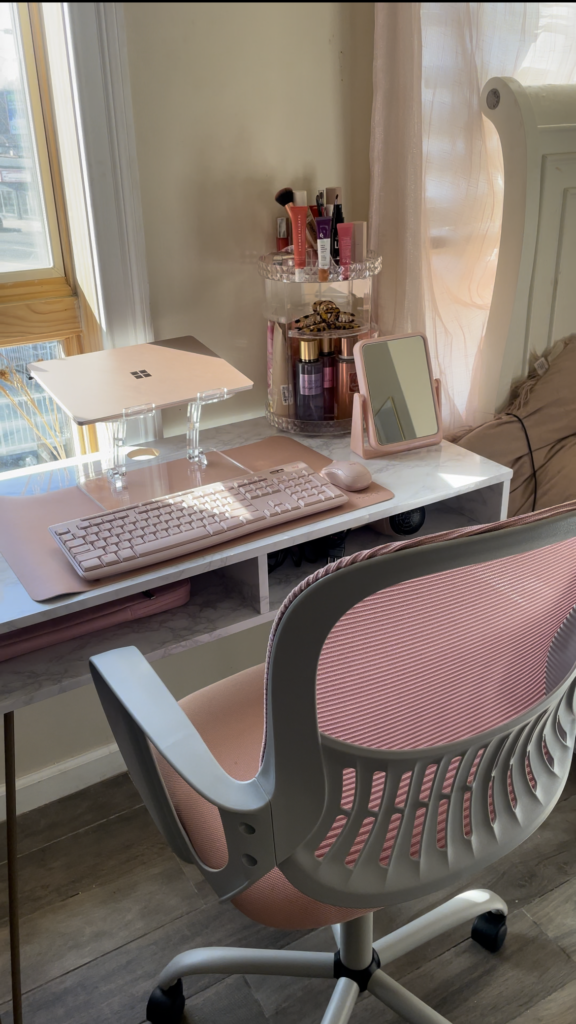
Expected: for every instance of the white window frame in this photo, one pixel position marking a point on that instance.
(99, 65)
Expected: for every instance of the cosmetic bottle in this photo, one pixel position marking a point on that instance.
(337, 218)
(309, 382)
(328, 360)
(323, 229)
(346, 379)
(281, 233)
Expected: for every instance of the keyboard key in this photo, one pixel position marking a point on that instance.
(126, 554)
(232, 524)
(214, 528)
(165, 543)
(110, 559)
(89, 563)
(252, 517)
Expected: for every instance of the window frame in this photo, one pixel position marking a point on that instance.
(42, 305)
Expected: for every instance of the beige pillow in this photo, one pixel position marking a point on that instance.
(548, 411)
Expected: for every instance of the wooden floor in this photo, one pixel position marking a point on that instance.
(105, 905)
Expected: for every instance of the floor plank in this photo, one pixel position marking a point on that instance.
(72, 813)
(555, 913)
(60, 938)
(559, 1008)
(83, 860)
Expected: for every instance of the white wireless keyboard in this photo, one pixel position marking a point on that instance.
(109, 543)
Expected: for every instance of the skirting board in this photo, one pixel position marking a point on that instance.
(63, 778)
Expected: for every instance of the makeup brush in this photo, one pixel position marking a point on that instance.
(285, 197)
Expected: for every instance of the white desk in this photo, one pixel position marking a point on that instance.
(231, 590)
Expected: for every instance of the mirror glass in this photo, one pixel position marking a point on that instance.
(400, 389)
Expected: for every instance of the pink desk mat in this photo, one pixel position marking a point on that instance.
(45, 572)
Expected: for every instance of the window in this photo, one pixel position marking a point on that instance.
(32, 427)
(23, 246)
(42, 308)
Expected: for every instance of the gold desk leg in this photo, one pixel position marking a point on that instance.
(12, 855)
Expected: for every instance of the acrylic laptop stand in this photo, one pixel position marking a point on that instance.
(100, 388)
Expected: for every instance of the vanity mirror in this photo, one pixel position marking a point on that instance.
(398, 399)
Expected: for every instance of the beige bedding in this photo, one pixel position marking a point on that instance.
(547, 406)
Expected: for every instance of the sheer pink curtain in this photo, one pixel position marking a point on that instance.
(436, 167)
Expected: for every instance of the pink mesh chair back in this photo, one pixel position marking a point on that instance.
(443, 709)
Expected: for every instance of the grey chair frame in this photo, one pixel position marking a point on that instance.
(280, 817)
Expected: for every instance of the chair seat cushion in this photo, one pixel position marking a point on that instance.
(229, 715)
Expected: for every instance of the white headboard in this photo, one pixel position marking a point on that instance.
(534, 300)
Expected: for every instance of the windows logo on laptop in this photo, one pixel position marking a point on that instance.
(140, 373)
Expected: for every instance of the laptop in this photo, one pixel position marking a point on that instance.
(98, 386)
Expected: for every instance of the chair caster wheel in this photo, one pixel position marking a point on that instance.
(489, 931)
(166, 1006)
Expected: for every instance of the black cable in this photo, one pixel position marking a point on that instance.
(520, 420)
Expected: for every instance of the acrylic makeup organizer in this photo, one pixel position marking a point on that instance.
(286, 300)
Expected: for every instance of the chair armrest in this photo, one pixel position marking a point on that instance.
(143, 694)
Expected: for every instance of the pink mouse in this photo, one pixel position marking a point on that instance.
(350, 476)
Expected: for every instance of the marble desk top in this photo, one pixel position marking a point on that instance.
(417, 478)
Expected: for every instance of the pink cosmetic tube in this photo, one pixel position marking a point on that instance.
(298, 216)
(345, 235)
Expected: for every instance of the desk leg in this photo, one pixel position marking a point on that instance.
(12, 854)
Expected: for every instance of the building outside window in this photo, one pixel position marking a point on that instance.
(40, 314)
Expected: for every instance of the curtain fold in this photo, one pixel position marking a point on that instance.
(436, 168)
(396, 167)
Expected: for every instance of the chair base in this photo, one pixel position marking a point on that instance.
(357, 965)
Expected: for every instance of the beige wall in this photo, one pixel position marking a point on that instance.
(231, 102)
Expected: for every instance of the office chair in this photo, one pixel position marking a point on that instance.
(413, 723)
